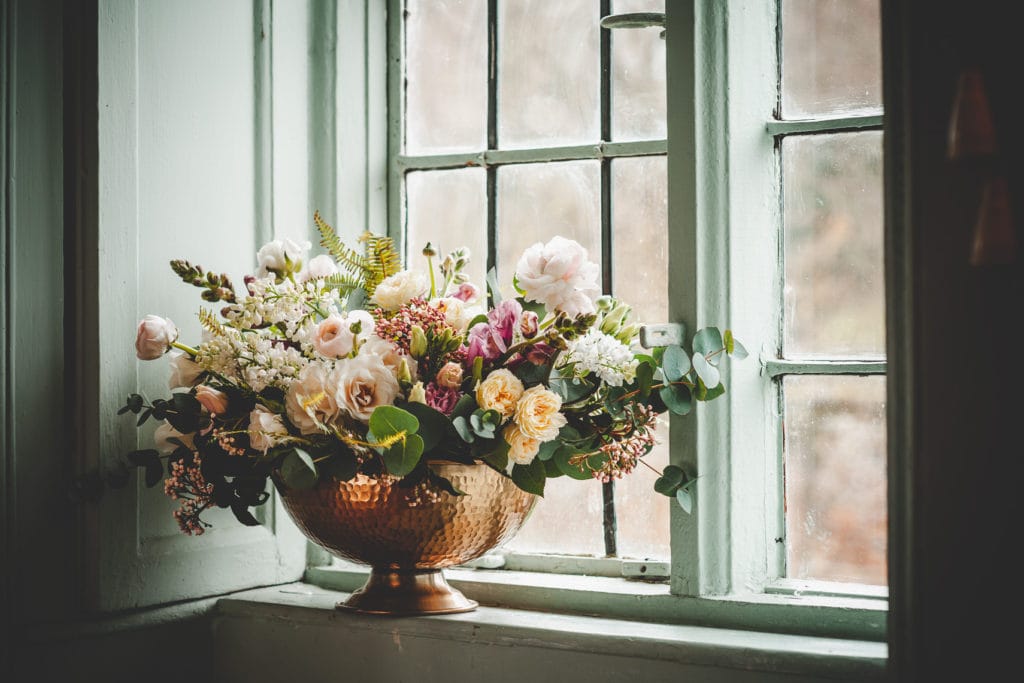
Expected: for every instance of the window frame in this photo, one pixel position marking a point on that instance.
(723, 568)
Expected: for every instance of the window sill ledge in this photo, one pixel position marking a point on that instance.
(306, 605)
(856, 619)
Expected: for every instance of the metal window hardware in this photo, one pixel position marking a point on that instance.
(635, 20)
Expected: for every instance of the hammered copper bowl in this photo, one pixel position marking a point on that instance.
(408, 535)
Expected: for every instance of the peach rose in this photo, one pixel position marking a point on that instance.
(265, 428)
(537, 413)
(522, 449)
(363, 383)
(500, 391)
(311, 400)
(214, 400)
(334, 337)
(450, 375)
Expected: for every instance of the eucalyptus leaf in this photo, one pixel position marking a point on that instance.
(675, 363)
(708, 373)
(644, 377)
(432, 424)
(677, 398)
(708, 340)
(739, 352)
(242, 514)
(464, 406)
(671, 479)
(685, 500)
(463, 429)
(402, 458)
(387, 421)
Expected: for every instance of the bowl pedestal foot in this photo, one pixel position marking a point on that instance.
(405, 592)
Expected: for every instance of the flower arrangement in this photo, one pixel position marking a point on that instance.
(347, 364)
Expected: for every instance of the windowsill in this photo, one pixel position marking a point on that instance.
(815, 615)
(307, 605)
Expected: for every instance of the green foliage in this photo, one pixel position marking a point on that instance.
(530, 478)
(365, 271)
(215, 287)
(297, 470)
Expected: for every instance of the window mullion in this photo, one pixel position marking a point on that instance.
(494, 157)
(778, 367)
(824, 125)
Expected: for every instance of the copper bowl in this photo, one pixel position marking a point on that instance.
(408, 535)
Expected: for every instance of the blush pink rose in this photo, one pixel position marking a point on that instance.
(560, 276)
(154, 337)
(214, 400)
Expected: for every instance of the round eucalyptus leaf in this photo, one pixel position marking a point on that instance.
(675, 363)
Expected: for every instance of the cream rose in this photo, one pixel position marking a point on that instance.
(537, 413)
(522, 449)
(365, 382)
(456, 312)
(311, 400)
(154, 337)
(163, 435)
(266, 428)
(184, 371)
(334, 337)
(396, 290)
(500, 391)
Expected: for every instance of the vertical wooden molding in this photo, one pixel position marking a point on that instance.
(323, 92)
(395, 106)
(263, 144)
(7, 100)
(377, 115)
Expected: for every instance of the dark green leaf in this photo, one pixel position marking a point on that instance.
(143, 417)
(551, 469)
(461, 425)
(297, 470)
(644, 377)
(671, 479)
(134, 403)
(548, 448)
(530, 374)
(561, 458)
(185, 402)
(675, 363)
(498, 456)
(464, 406)
(342, 465)
(141, 457)
(677, 398)
(432, 424)
(243, 515)
(402, 458)
(571, 389)
(712, 393)
(154, 472)
(251, 489)
(482, 318)
(530, 478)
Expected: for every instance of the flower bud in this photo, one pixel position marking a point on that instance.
(154, 337)
(404, 373)
(417, 342)
(429, 250)
(418, 394)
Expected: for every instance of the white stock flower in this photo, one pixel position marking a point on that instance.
(396, 290)
(558, 275)
(281, 256)
(266, 428)
(602, 354)
(363, 383)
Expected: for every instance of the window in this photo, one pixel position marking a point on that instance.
(741, 186)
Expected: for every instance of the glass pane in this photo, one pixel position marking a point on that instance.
(638, 77)
(566, 521)
(834, 286)
(548, 72)
(831, 57)
(448, 209)
(446, 72)
(538, 201)
(640, 267)
(835, 464)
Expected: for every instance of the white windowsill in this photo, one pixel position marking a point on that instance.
(813, 614)
(307, 604)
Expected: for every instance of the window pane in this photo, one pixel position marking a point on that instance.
(548, 67)
(538, 201)
(831, 57)
(640, 268)
(835, 464)
(834, 286)
(448, 209)
(566, 521)
(446, 71)
(638, 77)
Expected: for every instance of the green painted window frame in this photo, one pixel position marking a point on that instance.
(724, 569)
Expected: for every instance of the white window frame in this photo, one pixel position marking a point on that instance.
(725, 567)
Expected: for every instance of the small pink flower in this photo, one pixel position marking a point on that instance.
(468, 292)
(528, 324)
(505, 317)
(442, 399)
(154, 337)
(450, 376)
(214, 400)
(484, 340)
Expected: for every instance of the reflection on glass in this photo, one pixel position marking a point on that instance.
(831, 57)
(448, 209)
(638, 77)
(835, 474)
(640, 269)
(834, 280)
(446, 68)
(538, 201)
(548, 72)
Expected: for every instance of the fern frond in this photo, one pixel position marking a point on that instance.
(343, 281)
(382, 259)
(208, 319)
(349, 259)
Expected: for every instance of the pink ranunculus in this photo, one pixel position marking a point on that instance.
(442, 399)
(334, 336)
(559, 275)
(485, 341)
(505, 317)
(528, 324)
(468, 292)
(214, 400)
(154, 337)
(540, 353)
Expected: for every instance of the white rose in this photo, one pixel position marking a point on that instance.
(456, 312)
(396, 290)
(334, 337)
(184, 371)
(558, 275)
(311, 400)
(154, 337)
(265, 428)
(281, 256)
(163, 435)
(363, 383)
(389, 354)
(319, 267)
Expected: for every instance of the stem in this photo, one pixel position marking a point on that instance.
(187, 349)
(650, 467)
(430, 268)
